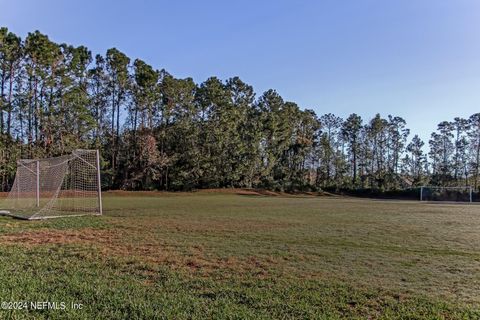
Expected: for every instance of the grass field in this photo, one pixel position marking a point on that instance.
(210, 255)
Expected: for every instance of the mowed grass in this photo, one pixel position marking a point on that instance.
(230, 256)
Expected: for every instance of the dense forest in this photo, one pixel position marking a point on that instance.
(159, 132)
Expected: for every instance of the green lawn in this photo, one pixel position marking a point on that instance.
(202, 255)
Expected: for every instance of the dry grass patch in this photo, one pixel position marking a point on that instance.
(60, 237)
(118, 243)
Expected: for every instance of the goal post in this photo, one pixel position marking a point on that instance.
(452, 194)
(69, 185)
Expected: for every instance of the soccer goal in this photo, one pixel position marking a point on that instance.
(64, 186)
(454, 194)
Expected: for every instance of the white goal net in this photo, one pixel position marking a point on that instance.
(68, 185)
(453, 194)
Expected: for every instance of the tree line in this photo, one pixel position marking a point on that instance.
(156, 131)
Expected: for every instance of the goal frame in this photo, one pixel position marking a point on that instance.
(37, 208)
(468, 188)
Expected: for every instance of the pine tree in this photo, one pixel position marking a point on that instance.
(474, 136)
(351, 133)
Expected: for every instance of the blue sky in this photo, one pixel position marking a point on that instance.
(419, 59)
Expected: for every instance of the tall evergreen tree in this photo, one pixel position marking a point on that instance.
(351, 132)
(474, 136)
(328, 148)
(415, 161)
(118, 84)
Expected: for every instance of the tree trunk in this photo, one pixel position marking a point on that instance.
(113, 134)
(2, 90)
(354, 180)
(30, 117)
(10, 95)
(477, 165)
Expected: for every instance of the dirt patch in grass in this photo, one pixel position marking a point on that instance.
(200, 191)
(108, 242)
(235, 191)
(123, 193)
(239, 191)
(216, 226)
(263, 192)
(195, 261)
(42, 237)
(116, 243)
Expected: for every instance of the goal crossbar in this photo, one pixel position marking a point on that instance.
(69, 185)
